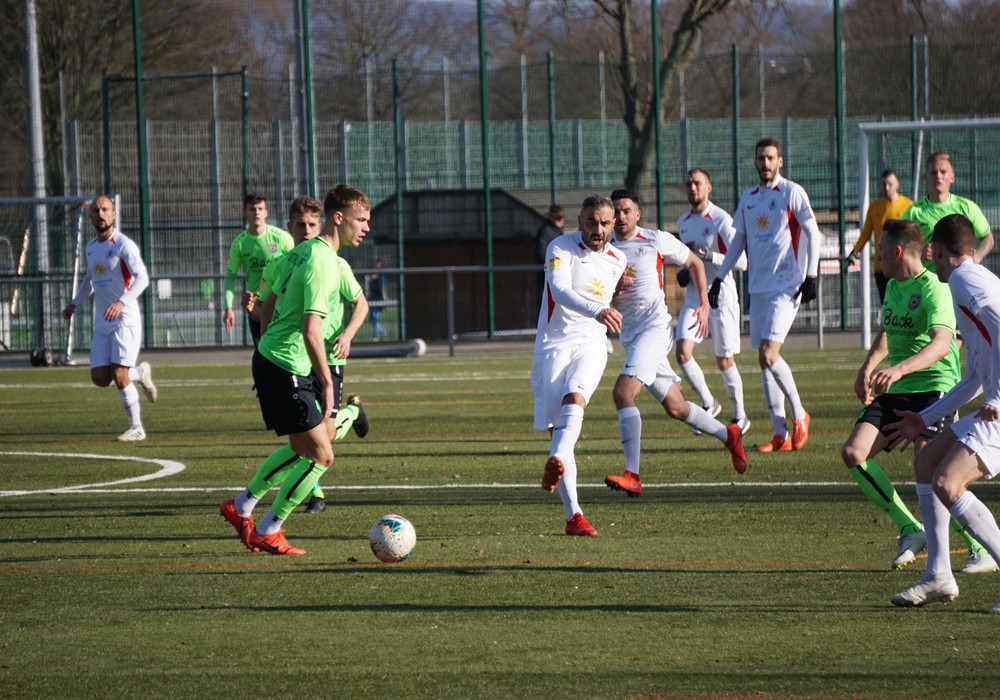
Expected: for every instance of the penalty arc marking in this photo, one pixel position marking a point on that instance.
(168, 467)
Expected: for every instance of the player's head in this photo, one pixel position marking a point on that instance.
(349, 210)
(597, 221)
(102, 214)
(953, 240)
(698, 184)
(888, 182)
(304, 218)
(557, 215)
(255, 210)
(767, 159)
(627, 212)
(940, 173)
(900, 239)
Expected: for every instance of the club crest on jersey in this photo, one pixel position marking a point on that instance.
(554, 264)
(597, 288)
(273, 247)
(763, 222)
(914, 302)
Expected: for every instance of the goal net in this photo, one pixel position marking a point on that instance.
(903, 146)
(41, 241)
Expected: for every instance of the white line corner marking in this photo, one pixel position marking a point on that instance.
(168, 467)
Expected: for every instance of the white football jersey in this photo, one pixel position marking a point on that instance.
(713, 229)
(976, 293)
(777, 229)
(115, 272)
(642, 305)
(579, 284)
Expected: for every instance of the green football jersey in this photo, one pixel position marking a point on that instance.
(252, 253)
(910, 310)
(928, 213)
(308, 279)
(348, 291)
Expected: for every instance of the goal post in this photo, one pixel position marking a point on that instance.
(41, 243)
(917, 128)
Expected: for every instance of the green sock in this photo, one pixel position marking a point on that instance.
(880, 491)
(970, 541)
(317, 492)
(296, 487)
(273, 471)
(345, 419)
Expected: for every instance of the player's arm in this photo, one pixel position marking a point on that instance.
(559, 276)
(737, 250)
(983, 247)
(312, 332)
(727, 234)
(877, 353)
(697, 270)
(938, 347)
(229, 284)
(342, 343)
(85, 289)
(267, 311)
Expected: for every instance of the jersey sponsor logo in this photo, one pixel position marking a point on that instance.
(597, 288)
(763, 222)
(100, 270)
(914, 302)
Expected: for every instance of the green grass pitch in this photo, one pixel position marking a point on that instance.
(711, 585)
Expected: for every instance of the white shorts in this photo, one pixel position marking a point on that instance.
(983, 438)
(772, 315)
(647, 357)
(115, 345)
(556, 373)
(723, 327)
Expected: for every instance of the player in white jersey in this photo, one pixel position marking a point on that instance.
(708, 231)
(647, 336)
(776, 227)
(581, 273)
(969, 449)
(116, 276)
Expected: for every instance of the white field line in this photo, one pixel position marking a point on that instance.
(168, 467)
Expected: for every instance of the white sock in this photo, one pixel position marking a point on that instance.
(733, 383)
(244, 503)
(974, 516)
(630, 427)
(269, 524)
(567, 487)
(699, 419)
(566, 431)
(134, 374)
(937, 525)
(696, 378)
(130, 401)
(783, 376)
(775, 401)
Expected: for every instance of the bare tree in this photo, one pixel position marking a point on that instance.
(640, 117)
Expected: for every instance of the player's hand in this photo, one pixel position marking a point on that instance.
(68, 311)
(342, 347)
(808, 290)
(248, 300)
(700, 324)
(683, 277)
(988, 412)
(611, 318)
(862, 388)
(713, 293)
(114, 310)
(849, 260)
(928, 252)
(228, 320)
(701, 251)
(900, 434)
(625, 282)
(885, 378)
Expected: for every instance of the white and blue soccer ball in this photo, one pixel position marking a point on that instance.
(392, 538)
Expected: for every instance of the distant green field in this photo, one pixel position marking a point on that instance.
(711, 585)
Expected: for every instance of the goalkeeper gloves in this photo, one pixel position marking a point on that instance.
(713, 293)
(808, 290)
(683, 277)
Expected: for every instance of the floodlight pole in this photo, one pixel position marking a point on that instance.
(40, 245)
(140, 124)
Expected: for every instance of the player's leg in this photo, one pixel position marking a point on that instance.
(690, 369)
(124, 351)
(937, 584)
(641, 355)
(702, 421)
(316, 504)
(858, 452)
(972, 458)
(779, 315)
(724, 326)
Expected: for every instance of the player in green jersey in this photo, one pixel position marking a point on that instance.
(940, 202)
(917, 338)
(294, 383)
(251, 250)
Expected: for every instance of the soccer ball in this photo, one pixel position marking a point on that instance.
(392, 538)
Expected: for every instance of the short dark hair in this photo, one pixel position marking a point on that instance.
(765, 142)
(695, 171)
(304, 205)
(907, 234)
(956, 233)
(253, 198)
(343, 197)
(556, 211)
(886, 173)
(622, 193)
(595, 201)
